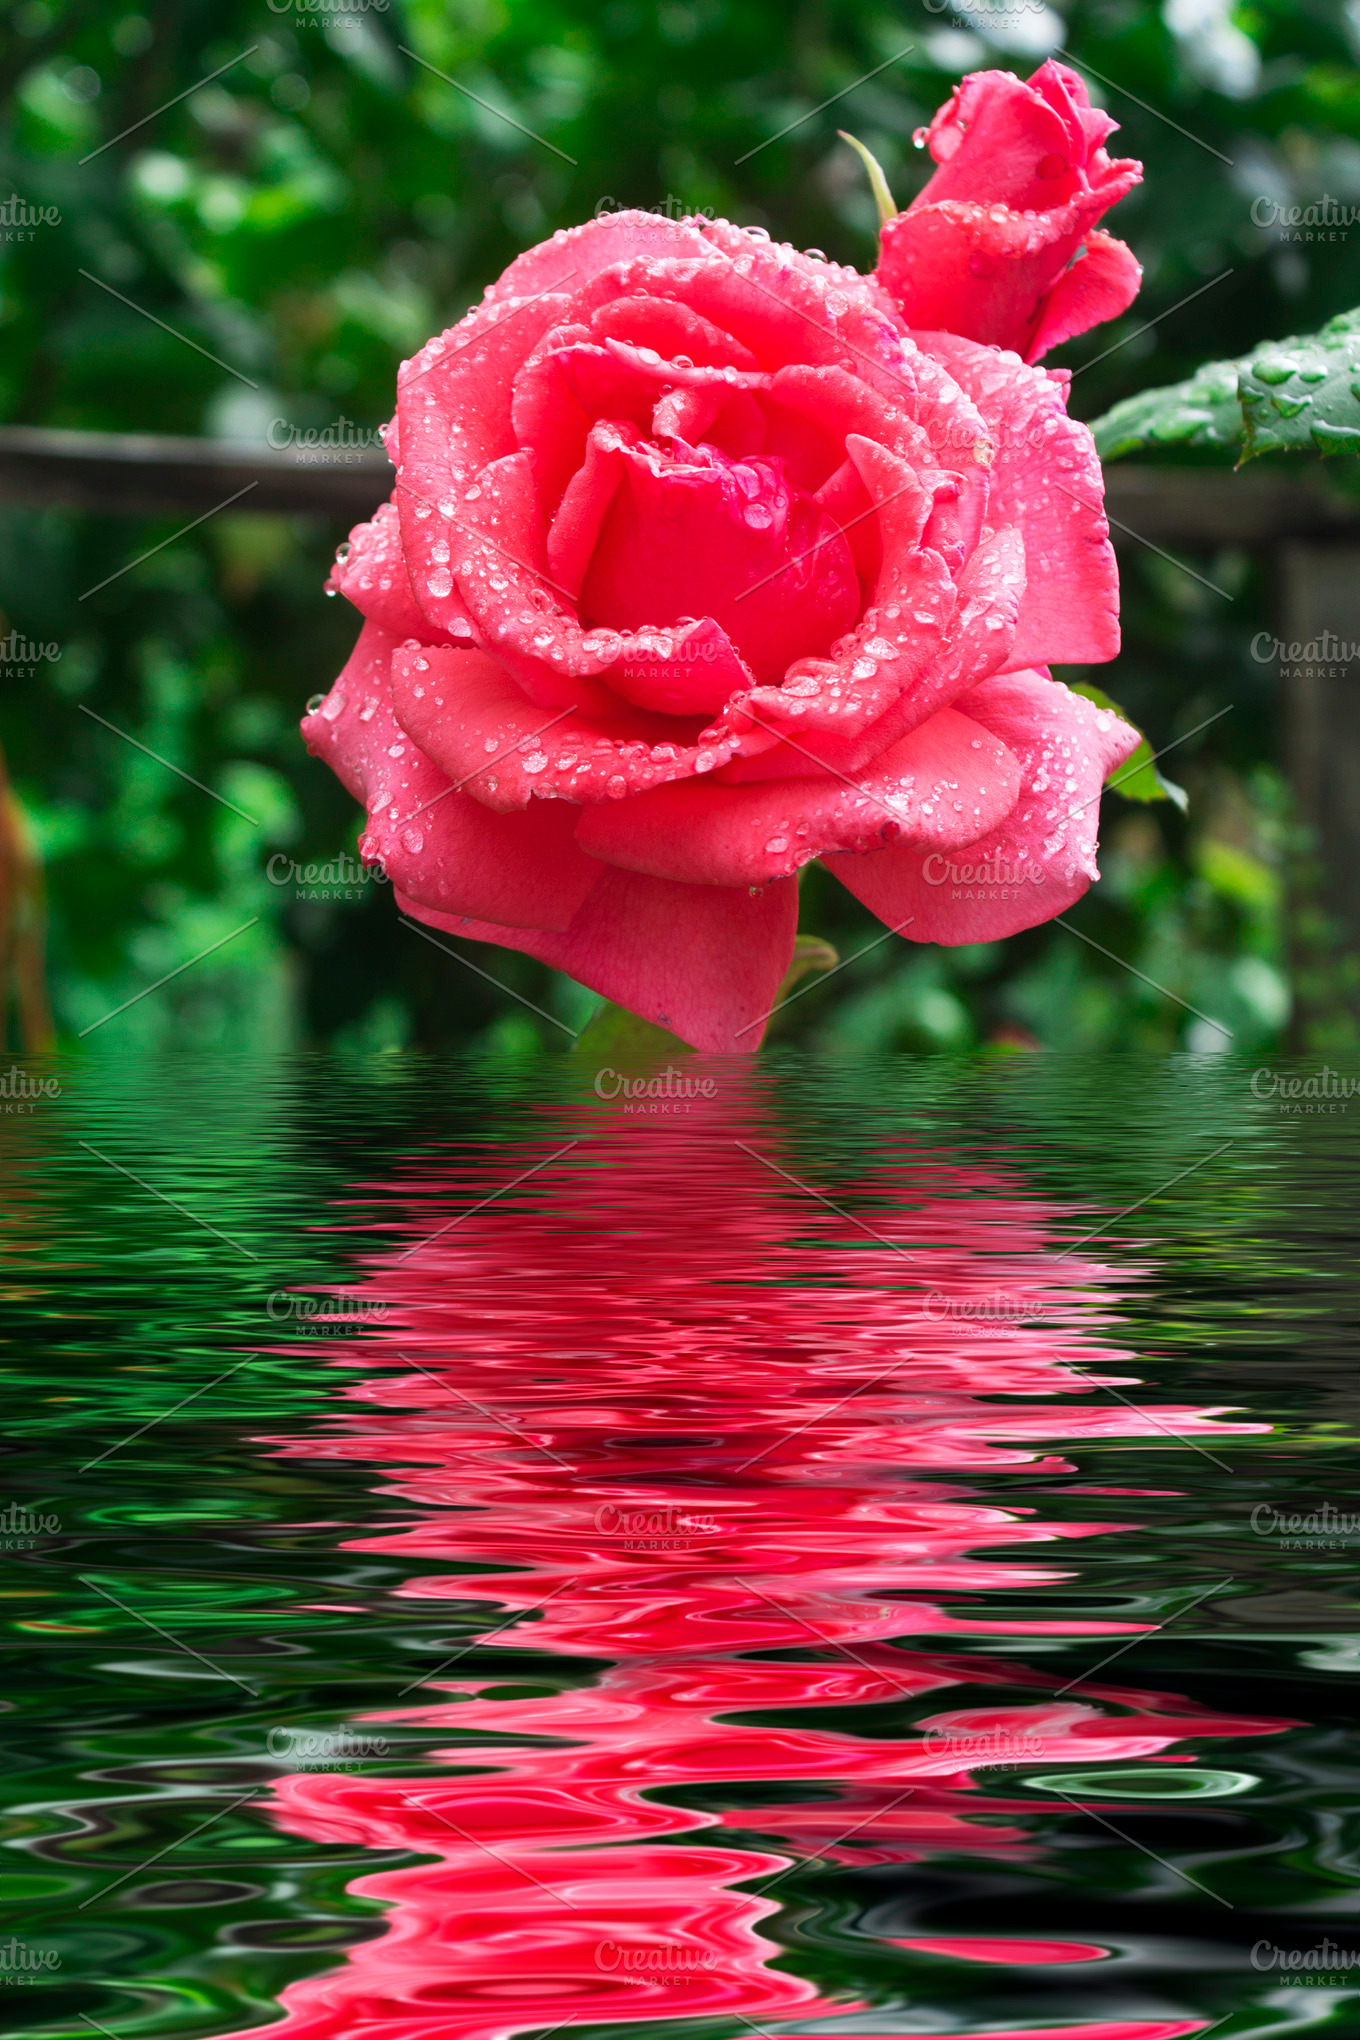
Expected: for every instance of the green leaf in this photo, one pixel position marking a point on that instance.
(878, 183)
(614, 1031)
(1300, 395)
(1203, 412)
(1303, 395)
(1137, 778)
(809, 953)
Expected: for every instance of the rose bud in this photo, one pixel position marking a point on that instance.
(1002, 244)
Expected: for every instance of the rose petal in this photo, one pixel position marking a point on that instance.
(372, 575)
(466, 713)
(1088, 127)
(941, 786)
(616, 383)
(846, 502)
(1031, 147)
(978, 640)
(436, 843)
(453, 406)
(925, 637)
(1046, 481)
(495, 536)
(980, 270)
(353, 728)
(704, 961)
(929, 422)
(572, 258)
(1100, 285)
(696, 533)
(538, 639)
(793, 308)
(729, 419)
(575, 528)
(670, 329)
(453, 854)
(1042, 858)
(683, 672)
(545, 416)
(823, 705)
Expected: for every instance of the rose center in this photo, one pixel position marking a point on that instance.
(694, 532)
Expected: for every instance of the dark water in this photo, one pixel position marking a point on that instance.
(793, 1560)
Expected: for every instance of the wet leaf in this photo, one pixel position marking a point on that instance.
(1203, 412)
(810, 954)
(612, 1030)
(1303, 395)
(1137, 778)
(1300, 395)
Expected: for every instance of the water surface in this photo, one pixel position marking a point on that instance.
(864, 1550)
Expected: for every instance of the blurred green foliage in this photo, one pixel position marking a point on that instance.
(309, 215)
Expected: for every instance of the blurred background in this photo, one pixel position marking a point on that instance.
(310, 215)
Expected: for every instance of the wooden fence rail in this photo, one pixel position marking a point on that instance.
(141, 473)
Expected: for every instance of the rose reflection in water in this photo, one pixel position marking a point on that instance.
(692, 1417)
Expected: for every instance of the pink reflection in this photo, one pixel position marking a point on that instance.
(680, 1414)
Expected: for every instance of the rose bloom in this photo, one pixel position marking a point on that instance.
(702, 562)
(1002, 244)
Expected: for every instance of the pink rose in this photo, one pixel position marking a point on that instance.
(1002, 245)
(699, 567)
